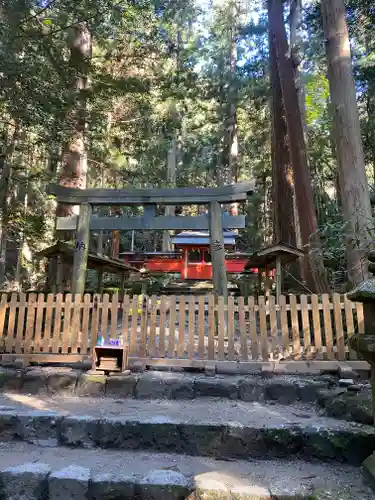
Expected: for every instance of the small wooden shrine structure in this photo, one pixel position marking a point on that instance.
(214, 221)
(192, 256)
(271, 258)
(63, 252)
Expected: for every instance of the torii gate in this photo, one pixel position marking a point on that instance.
(149, 198)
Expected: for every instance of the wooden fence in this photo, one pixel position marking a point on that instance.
(183, 327)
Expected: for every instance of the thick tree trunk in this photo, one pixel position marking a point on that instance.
(171, 178)
(316, 278)
(74, 166)
(355, 197)
(5, 174)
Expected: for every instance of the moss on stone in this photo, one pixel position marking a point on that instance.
(364, 292)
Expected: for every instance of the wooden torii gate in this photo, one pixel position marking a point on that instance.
(149, 199)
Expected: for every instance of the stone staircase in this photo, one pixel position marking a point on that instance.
(170, 436)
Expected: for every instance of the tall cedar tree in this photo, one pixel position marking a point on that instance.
(355, 197)
(315, 277)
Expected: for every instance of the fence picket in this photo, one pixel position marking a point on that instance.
(243, 333)
(221, 328)
(284, 326)
(19, 345)
(211, 327)
(38, 333)
(230, 328)
(181, 328)
(349, 324)
(162, 324)
(56, 341)
(340, 341)
(11, 322)
(66, 336)
(273, 308)
(327, 326)
(47, 339)
(125, 319)
(295, 327)
(85, 323)
(253, 329)
(201, 307)
(263, 327)
(30, 319)
(316, 326)
(134, 326)
(76, 334)
(104, 321)
(152, 335)
(191, 334)
(172, 327)
(94, 322)
(114, 316)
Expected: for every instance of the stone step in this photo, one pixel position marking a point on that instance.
(221, 429)
(79, 474)
(285, 389)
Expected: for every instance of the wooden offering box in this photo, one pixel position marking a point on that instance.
(110, 358)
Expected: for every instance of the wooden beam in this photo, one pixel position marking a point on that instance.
(156, 223)
(82, 249)
(165, 196)
(219, 273)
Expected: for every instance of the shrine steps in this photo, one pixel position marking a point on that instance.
(32, 472)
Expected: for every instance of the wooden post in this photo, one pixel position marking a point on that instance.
(59, 288)
(219, 273)
(100, 281)
(278, 279)
(82, 249)
(123, 281)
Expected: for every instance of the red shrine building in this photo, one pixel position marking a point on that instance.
(191, 258)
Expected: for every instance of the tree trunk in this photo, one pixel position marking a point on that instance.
(171, 179)
(283, 196)
(5, 174)
(355, 196)
(74, 165)
(316, 277)
(232, 102)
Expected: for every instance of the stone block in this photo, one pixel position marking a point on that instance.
(164, 485)
(216, 388)
(79, 431)
(308, 390)
(151, 385)
(179, 386)
(91, 385)
(283, 392)
(34, 382)
(121, 386)
(250, 390)
(10, 427)
(25, 482)
(70, 483)
(210, 369)
(249, 367)
(138, 367)
(40, 428)
(267, 370)
(227, 367)
(245, 492)
(63, 382)
(346, 372)
(112, 486)
(10, 380)
(369, 469)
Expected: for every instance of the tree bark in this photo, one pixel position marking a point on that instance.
(355, 198)
(5, 174)
(316, 277)
(74, 165)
